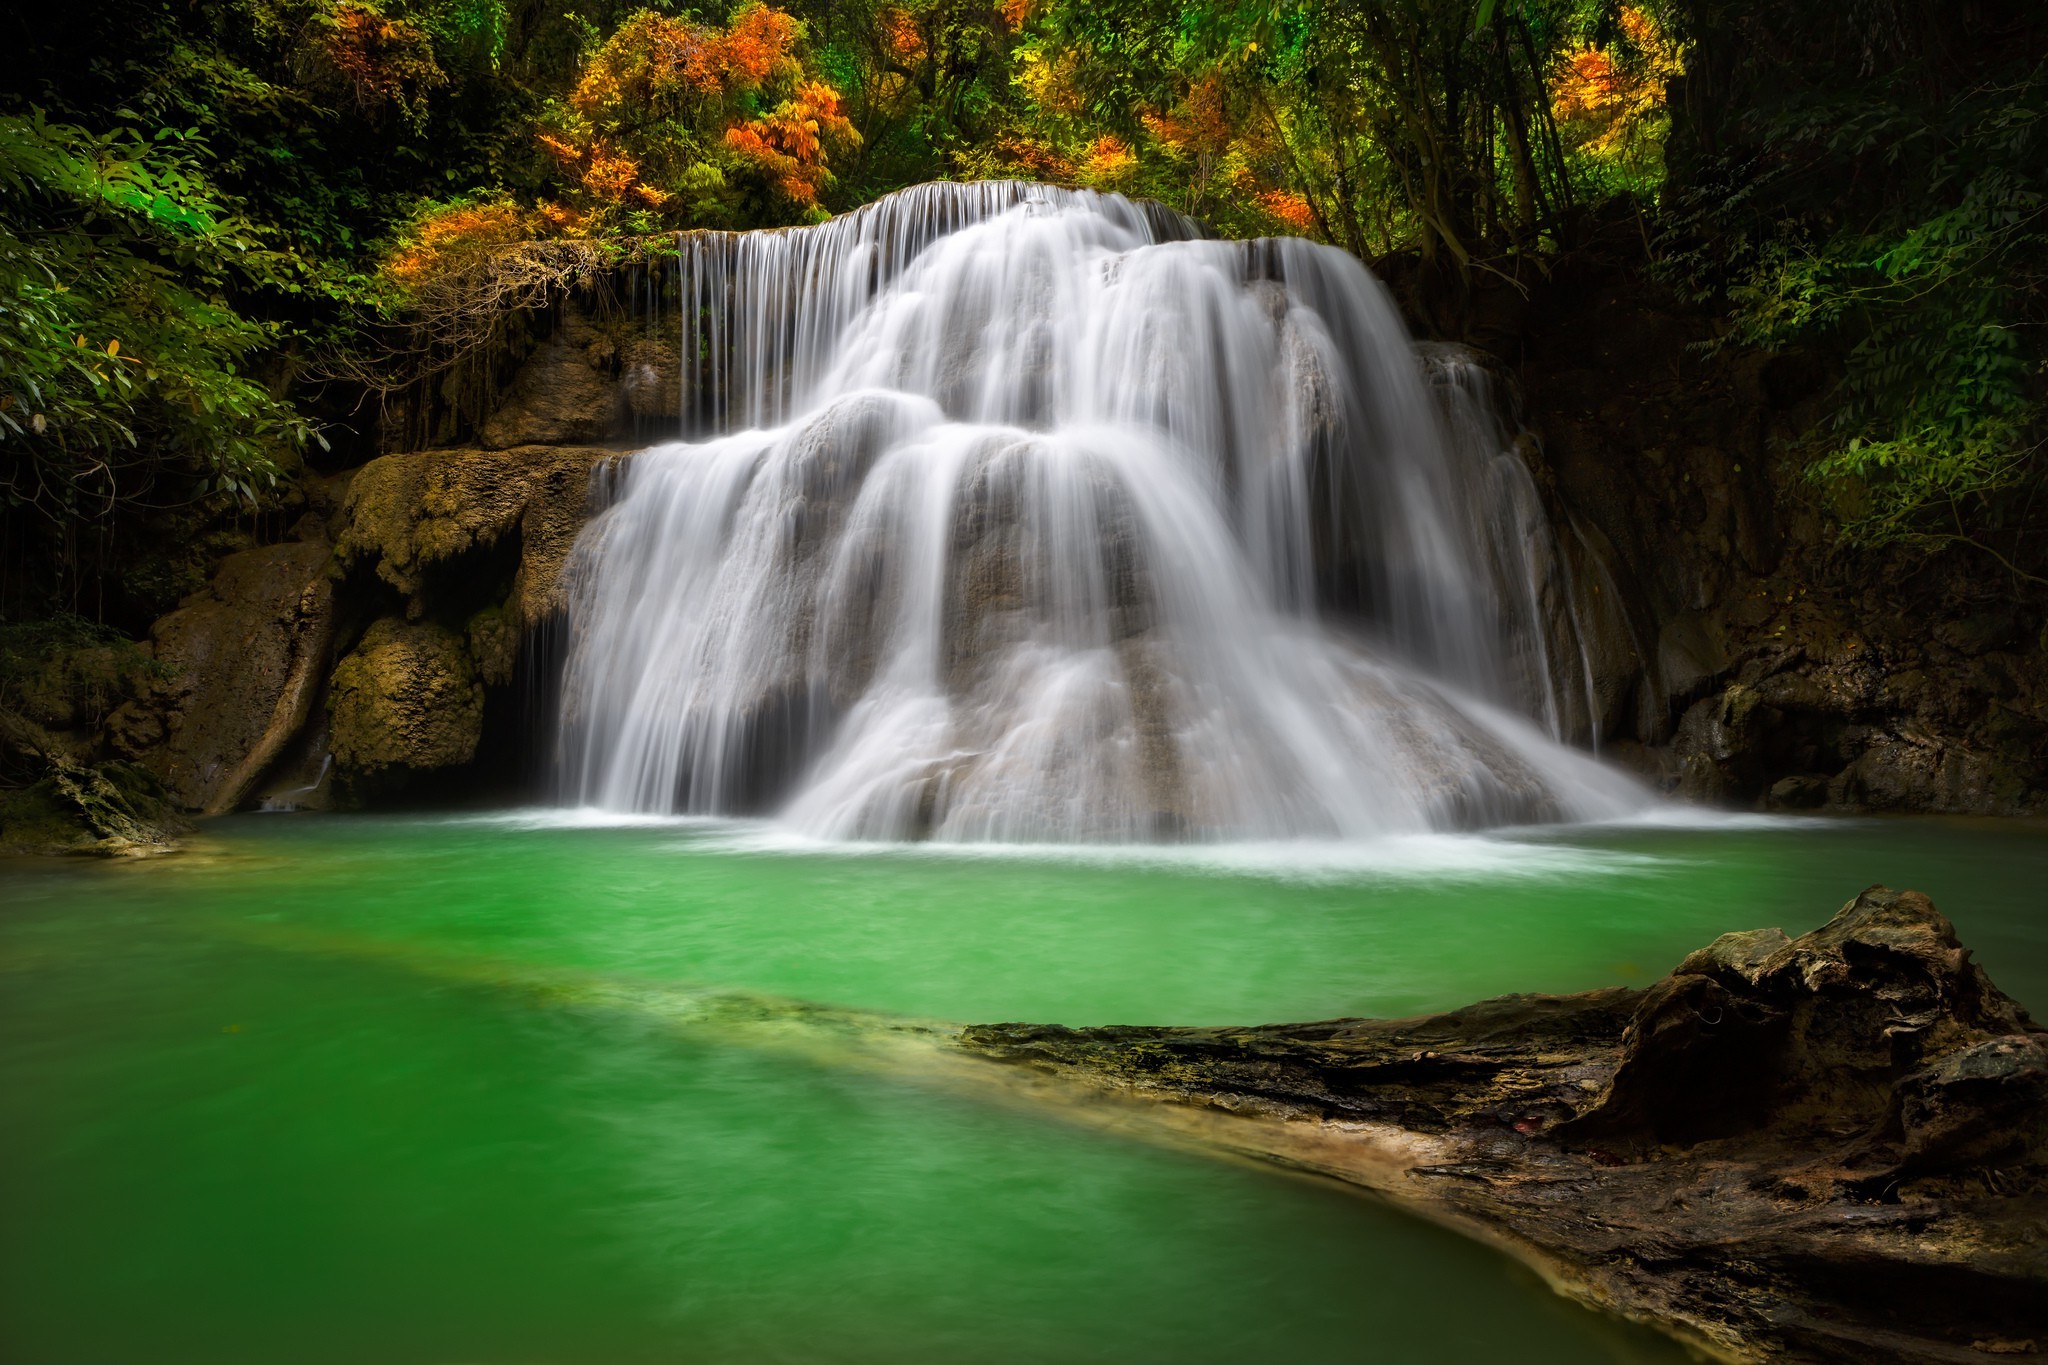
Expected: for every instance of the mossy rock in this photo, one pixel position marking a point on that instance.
(494, 644)
(409, 696)
(109, 810)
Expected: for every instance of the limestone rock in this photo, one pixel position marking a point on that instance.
(112, 809)
(409, 514)
(241, 662)
(650, 378)
(1834, 1031)
(1827, 1148)
(408, 696)
(564, 394)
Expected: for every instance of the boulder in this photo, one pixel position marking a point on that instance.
(565, 393)
(407, 697)
(1829, 1148)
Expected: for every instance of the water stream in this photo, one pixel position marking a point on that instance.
(1028, 514)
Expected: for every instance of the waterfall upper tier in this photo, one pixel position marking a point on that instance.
(1029, 514)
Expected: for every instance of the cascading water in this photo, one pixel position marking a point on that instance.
(1028, 514)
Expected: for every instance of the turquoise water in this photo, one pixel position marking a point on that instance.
(293, 1096)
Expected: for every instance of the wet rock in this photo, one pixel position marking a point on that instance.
(410, 516)
(239, 666)
(565, 393)
(650, 379)
(494, 644)
(1825, 1148)
(407, 697)
(112, 809)
(1801, 791)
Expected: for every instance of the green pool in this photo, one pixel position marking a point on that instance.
(293, 1097)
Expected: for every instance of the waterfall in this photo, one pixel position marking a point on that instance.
(1019, 513)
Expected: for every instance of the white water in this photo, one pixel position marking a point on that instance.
(1023, 514)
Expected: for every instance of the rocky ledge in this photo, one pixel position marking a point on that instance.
(1824, 1148)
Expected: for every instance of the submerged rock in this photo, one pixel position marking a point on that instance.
(1825, 1148)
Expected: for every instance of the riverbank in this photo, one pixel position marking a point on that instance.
(1828, 1148)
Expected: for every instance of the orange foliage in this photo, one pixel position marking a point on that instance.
(660, 62)
(788, 145)
(1607, 101)
(901, 38)
(562, 220)
(1108, 159)
(450, 234)
(1200, 125)
(756, 46)
(383, 61)
(1289, 207)
(1014, 13)
(1037, 159)
(609, 173)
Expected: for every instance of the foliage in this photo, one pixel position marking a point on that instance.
(675, 123)
(1897, 220)
(123, 358)
(1608, 101)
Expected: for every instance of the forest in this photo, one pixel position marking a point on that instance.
(584, 584)
(235, 231)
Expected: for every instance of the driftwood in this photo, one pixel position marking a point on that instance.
(1829, 1148)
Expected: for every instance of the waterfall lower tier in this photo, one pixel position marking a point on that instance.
(1052, 521)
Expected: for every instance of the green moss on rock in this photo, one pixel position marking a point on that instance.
(494, 644)
(112, 809)
(409, 696)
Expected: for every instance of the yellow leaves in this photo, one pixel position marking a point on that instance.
(655, 61)
(1108, 160)
(1053, 86)
(446, 237)
(1606, 104)
(609, 173)
(658, 76)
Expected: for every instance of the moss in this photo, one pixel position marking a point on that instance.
(110, 809)
(494, 643)
(66, 672)
(407, 697)
(406, 514)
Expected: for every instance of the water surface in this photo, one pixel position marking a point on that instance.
(292, 1096)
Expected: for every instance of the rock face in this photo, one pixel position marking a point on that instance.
(241, 665)
(1740, 656)
(565, 394)
(460, 554)
(408, 696)
(415, 519)
(109, 809)
(1828, 1148)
